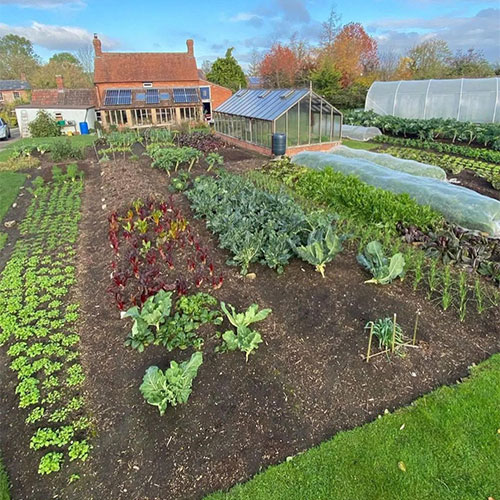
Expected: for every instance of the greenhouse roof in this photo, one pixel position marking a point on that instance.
(262, 104)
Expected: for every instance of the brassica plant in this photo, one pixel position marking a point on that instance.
(384, 270)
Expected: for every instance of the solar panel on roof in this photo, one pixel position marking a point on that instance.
(152, 96)
(111, 98)
(186, 95)
(125, 97)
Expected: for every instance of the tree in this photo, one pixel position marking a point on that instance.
(470, 64)
(73, 74)
(206, 67)
(330, 28)
(354, 53)
(306, 60)
(430, 59)
(255, 62)
(326, 80)
(387, 65)
(85, 56)
(64, 57)
(279, 67)
(17, 57)
(227, 72)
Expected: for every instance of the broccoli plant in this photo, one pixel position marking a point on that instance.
(214, 159)
(383, 270)
(172, 386)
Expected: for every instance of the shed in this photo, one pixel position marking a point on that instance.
(251, 116)
(464, 99)
(69, 106)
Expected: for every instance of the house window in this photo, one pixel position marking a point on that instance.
(205, 93)
(165, 115)
(141, 116)
(188, 113)
(17, 95)
(147, 85)
(117, 117)
(98, 116)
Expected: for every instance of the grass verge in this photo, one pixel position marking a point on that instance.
(359, 144)
(445, 445)
(10, 182)
(4, 483)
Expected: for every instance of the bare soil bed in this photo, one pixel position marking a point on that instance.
(306, 382)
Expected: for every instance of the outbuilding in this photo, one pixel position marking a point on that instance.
(70, 107)
(251, 116)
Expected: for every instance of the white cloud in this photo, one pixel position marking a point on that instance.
(45, 4)
(461, 33)
(243, 16)
(56, 37)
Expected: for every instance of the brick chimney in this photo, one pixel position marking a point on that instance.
(97, 45)
(190, 47)
(60, 82)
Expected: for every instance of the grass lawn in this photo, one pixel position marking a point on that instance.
(444, 446)
(10, 182)
(4, 483)
(359, 144)
(78, 140)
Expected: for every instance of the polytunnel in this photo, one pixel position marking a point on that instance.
(464, 99)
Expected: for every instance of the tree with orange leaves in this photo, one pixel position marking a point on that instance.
(279, 67)
(354, 53)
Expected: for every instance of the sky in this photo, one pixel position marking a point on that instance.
(67, 25)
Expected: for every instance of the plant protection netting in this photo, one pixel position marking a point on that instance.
(460, 205)
(385, 160)
(358, 133)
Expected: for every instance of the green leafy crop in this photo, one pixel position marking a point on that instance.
(384, 270)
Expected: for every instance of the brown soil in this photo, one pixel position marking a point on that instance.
(469, 180)
(307, 381)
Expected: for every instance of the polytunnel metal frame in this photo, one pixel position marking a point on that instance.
(463, 99)
(253, 115)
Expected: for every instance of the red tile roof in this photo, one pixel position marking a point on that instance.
(121, 67)
(66, 98)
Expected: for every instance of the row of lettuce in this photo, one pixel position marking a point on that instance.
(37, 324)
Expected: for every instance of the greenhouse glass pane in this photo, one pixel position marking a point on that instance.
(281, 125)
(293, 126)
(304, 121)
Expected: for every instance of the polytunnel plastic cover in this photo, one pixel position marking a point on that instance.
(460, 205)
(358, 133)
(385, 160)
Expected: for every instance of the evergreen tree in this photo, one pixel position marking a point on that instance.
(227, 72)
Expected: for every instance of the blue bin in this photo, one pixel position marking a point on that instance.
(84, 128)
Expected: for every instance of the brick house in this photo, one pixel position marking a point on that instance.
(137, 89)
(13, 90)
(71, 106)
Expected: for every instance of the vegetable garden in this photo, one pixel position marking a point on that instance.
(177, 314)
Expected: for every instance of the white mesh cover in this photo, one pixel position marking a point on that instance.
(465, 99)
(359, 133)
(409, 166)
(460, 205)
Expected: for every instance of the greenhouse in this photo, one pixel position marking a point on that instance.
(252, 116)
(465, 99)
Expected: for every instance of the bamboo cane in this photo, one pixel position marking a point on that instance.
(369, 344)
(393, 333)
(415, 329)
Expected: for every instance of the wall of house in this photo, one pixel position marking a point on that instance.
(27, 115)
(219, 94)
(8, 96)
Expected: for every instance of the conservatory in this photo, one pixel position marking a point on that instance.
(465, 99)
(251, 116)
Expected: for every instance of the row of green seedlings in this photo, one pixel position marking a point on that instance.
(37, 324)
(60, 150)
(454, 164)
(383, 230)
(171, 158)
(160, 322)
(482, 154)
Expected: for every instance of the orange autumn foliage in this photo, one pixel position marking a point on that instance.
(279, 67)
(354, 53)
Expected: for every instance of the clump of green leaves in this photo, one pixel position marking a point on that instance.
(214, 159)
(383, 329)
(245, 339)
(172, 386)
(383, 270)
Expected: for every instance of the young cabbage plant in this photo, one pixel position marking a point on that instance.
(322, 247)
(245, 339)
(213, 159)
(384, 270)
(172, 386)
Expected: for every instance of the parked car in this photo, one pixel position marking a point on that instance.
(4, 130)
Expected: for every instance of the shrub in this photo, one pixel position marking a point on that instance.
(65, 150)
(44, 125)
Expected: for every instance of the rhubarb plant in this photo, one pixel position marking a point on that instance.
(383, 270)
(172, 386)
